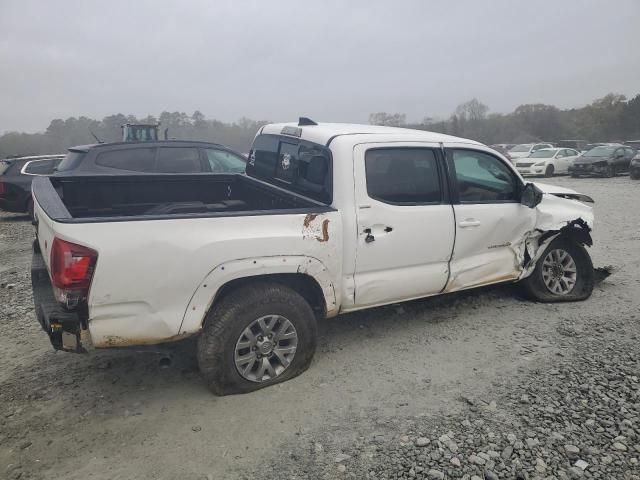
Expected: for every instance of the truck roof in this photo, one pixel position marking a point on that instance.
(324, 133)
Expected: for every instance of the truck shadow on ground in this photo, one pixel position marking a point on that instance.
(110, 381)
(174, 366)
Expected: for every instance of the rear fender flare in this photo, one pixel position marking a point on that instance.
(205, 294)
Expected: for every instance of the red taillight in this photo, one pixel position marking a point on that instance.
(72, 266)
(2, 188)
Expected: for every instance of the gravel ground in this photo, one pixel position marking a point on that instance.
(480, 385)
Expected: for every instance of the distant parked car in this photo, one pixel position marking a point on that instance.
(634, 167)
(165, 156)
(635, 144)
(503, 148)
(16, 175)
(606, 161)
(525, 149)
(547, 161)
(579, 145)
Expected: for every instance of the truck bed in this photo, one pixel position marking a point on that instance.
(81, 199)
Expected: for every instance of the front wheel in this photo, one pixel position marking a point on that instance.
(610, 171)
(549, 171)
(564, 273)
(259, 335)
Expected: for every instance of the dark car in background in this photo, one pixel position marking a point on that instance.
(165, 156)
(604, 161)
(16, 175)
(634, 168)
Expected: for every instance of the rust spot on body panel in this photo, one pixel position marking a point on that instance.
(309, 218)
(314, 229)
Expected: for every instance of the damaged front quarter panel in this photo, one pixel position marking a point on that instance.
(558, 214)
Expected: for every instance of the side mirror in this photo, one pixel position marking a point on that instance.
(531, 196)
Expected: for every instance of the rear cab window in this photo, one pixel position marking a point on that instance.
(294, 164)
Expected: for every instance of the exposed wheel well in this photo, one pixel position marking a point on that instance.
(303, 284)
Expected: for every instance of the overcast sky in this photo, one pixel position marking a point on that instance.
(332, 60)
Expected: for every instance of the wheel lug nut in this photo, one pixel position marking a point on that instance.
(260, 338)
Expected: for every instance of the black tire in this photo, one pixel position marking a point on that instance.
(30, 208)
(610, 171)
(549, 171)
(634, 175)
(227, 320)
(536, 289)
(574, 175)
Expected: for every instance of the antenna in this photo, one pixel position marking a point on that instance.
(95, 136)
(305, 122)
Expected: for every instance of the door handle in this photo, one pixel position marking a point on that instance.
(468, 223)
(369, 238)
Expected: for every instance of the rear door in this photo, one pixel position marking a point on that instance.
(490, 221)
(405, 222)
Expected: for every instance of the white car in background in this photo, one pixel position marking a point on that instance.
(525, 149)
(547, 161)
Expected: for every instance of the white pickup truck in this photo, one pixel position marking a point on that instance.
(329, 218)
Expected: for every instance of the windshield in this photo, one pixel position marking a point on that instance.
(600, 152)
(521, 148)
(4, 166)
(542, 154)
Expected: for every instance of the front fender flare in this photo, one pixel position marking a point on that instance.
(205, 294)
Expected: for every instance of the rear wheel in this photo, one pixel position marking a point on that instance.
(564, 273)
(257, 336)
(549, 171)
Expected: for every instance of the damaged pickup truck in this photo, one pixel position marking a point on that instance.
(329, 218)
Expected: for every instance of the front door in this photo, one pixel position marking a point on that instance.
(404, 220)
(490, 221)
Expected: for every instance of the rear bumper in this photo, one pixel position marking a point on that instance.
(64, 328)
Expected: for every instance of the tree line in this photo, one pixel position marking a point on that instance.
(611, 118)
(608, 119)
(62, 134)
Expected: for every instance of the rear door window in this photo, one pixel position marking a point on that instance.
(403, 176)
(131, 159)
(41, 167)
(178, 160)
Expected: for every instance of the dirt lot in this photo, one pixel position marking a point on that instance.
(483, 383)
